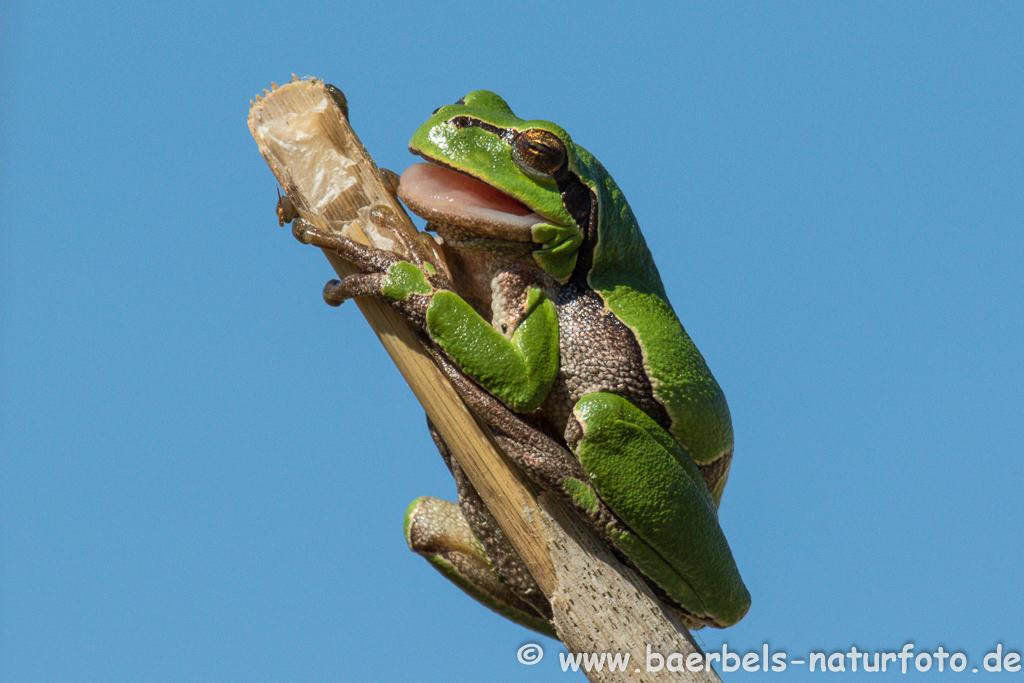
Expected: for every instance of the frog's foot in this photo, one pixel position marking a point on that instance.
(437, 530)
(504, 559)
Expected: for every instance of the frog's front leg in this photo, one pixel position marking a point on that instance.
(405, 284)
(670, 524)
(363, 257)
(517, 364)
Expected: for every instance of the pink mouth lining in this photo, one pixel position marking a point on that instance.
(437, 193)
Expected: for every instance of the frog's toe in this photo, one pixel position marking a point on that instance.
(336, 292)
(302, 230)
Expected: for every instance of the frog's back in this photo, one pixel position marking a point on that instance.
(679, 377)
(622, 272)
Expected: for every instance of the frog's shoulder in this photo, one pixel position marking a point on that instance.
(618, 250)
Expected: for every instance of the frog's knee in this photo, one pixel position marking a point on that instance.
(597, 411)
(598, 404)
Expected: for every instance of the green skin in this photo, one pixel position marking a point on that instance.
(601, 396)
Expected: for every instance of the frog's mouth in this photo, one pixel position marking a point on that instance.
(464, 210)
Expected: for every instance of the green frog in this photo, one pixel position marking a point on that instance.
(561, 337)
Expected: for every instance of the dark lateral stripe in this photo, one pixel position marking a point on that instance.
(507, 134)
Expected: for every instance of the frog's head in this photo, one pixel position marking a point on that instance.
(497, 182)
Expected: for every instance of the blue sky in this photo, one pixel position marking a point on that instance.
(204, 468)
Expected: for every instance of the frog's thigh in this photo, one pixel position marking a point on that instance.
(653, 486)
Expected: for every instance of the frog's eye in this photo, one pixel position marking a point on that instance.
(538, 152)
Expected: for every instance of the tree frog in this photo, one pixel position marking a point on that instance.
(583, 371)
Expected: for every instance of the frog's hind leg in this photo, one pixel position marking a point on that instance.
(467, 546)
(669, 521)
(437, 530)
